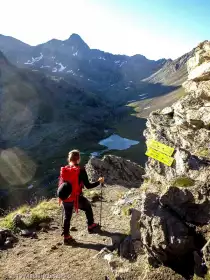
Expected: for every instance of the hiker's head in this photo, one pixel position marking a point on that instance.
(74, 157)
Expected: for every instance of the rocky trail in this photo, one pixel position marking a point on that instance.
(46, 256)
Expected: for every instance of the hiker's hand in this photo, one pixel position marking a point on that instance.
(101, 180)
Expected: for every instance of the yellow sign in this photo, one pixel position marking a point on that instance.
(159, 156)
(162, 148)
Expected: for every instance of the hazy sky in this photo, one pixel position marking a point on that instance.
(154, 28)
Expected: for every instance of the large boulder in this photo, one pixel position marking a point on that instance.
(185, 127)
(116, 170)
(7, 238)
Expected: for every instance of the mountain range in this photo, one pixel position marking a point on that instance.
(61, 94)
(117, 77)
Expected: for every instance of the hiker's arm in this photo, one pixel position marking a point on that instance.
(85, 180)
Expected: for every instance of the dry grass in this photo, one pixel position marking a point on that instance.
(34, 215)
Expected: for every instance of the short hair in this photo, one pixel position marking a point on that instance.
(73, 156)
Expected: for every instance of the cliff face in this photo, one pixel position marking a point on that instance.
(173, 211)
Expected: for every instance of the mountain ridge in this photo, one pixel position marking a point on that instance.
(96, 70)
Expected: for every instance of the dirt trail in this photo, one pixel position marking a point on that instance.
(47, 258)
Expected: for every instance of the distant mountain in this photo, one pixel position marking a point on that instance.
(73, 59)
(118, 78)
(45, 117)
(174, 72)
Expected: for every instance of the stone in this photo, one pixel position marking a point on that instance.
(8, 244)
(54, 247)
(11, 239)
(25, 233)
(127, 249)
(167, 111)
(102, 253)
(6, 235)
(44, 225)
(116, 170)
(116, 210)
(34, 235)
(17, 219)
(200, 73)
(135, 224)
(115, 241)
(109, 257)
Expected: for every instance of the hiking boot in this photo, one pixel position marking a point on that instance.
(69, 240)
(93, 228)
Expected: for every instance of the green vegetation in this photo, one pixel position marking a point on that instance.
(207, 277)
(126, 208)
(94, 195)
(203, 153)
(32, 216)
(181, 93)
(183, 182)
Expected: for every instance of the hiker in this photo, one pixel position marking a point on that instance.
(72, 180)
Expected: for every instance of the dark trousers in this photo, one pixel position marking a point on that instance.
(84, 205)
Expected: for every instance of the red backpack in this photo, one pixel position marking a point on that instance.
(71, 174)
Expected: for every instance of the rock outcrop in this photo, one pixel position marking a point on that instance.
(116, 170)
(174, 205)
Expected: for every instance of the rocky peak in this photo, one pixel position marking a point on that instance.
(76, 42)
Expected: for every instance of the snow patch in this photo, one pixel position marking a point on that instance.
(45, 66)
(75, 54)
(146, 108)
(127, 87)
(34, 59)
(54, 70)
(61, 67)
(142, 94)
(122, 63)
(103, 58)
(117, 61)
(72, 72)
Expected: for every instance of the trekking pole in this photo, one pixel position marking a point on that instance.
(101, 204)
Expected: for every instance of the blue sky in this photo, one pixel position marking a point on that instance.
(154, 28)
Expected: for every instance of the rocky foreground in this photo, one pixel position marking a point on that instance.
(172, 215)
